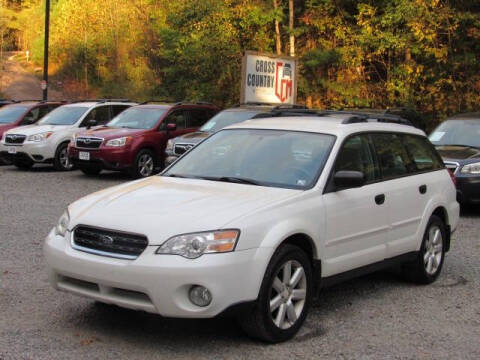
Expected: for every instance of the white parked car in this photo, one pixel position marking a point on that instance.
(257, 218)
(47, 140)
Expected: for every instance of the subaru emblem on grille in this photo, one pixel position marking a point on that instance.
(107, 240)
(13, 137)
(86, 141)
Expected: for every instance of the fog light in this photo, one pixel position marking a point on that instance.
(200, 295)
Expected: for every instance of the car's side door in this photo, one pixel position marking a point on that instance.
(403, 195)
(356, 218)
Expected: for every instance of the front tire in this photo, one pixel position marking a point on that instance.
(426, 268)
(144, 165)
(284, 297)
(61, 162)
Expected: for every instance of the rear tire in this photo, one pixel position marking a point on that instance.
(284, 300)
(61, 162)
(145, 164)
(23, 164)
(426, 268)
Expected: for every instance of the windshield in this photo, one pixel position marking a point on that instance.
(457, 132)
(225, 118)
(63, 115)
(275, 158)
(137, 118)
(10, 114)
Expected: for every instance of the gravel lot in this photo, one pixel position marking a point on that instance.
(374, 317)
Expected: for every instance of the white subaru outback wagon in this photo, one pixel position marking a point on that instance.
(257, 218)
(47, 140)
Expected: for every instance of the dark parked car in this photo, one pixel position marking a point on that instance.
(180, 145)
(458, 142)
(135, 140)
(4, 102)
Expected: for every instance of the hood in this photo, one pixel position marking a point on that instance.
(192, 138)
(36, 129)
(108, 133)
(162, 207)
(457, 152)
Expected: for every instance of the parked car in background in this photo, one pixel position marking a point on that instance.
(4, 102)
(135, 140)
(47, 140)
(458, 141)
(21, 113)
(181, 144)
(259, 216)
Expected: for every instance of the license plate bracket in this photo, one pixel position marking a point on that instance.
(12, 150)
(84, 155)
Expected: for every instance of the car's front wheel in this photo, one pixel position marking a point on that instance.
(284, 297)
(144, 165)
(61, 162)
(427, 266)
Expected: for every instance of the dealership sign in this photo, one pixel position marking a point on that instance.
(268, 78)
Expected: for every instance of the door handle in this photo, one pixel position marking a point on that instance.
(422, 189)
(380, 199)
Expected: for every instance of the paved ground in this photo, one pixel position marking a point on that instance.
(18, 84)
(375, 317)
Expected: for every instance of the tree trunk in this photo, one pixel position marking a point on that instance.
(278, 39)
(290, 26)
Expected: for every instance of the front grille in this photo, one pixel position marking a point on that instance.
(180, 149)
(15, 139)
(452, 166)
(88, 143)
(108, 242)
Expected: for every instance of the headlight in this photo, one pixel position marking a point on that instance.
(62, 224)
(119, 141)
(40, 137)
(473, 169)
(194, 245)
(73, 139)
(169, 145)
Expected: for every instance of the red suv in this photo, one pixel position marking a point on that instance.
(135, 140)
(27, 112)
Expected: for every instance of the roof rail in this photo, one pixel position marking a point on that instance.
(253, 103)
(102, 100)
(290, 106)
(157, 101)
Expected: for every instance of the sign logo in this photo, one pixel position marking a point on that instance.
(283, 81)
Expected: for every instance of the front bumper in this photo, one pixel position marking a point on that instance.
(157, 283)
(111, 159)
(37, 152)
(468, 189)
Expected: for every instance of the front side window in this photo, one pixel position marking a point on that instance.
(178, 118)
(64, 115)
(31, 117)
(137, 118)
(357, 155)
(100, 114)
(10, 114)
(422, 153)
(275, 158)
(392, 155)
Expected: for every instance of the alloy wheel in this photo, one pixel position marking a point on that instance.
(64, 160)
(288, 294)
(145, 165)
(432, 256)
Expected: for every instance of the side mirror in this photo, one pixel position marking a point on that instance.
(171, 127)
(91, 123)
(348, 179)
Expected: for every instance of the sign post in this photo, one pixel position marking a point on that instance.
(45, 50)
(268, 79)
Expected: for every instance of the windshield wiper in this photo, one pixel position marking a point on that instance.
(232, 179)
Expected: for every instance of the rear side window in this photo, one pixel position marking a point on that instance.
(422, 153)
(357, 155)
(392, 155)
(199, 117)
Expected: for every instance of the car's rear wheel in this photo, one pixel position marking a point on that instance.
(61, 162)
(23, 164)
(427, 266)
(144, 165)
(284, 297)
